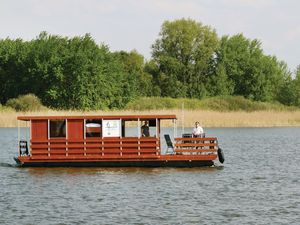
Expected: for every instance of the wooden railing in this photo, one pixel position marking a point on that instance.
(96, 147)
(188, 146)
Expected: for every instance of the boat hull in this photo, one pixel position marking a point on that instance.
(148, 163)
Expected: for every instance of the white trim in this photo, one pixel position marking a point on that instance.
(101, 135)
(66, 129)
(156, 126)
(139, 128)
(84, 129)
(67, 137)
(120, 128)
(48, 129)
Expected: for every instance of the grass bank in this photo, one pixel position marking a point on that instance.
(207, 118)
(220, 103)
(228, 111)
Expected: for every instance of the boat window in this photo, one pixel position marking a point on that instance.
(129, 128)
(57, 128)
(93, 128)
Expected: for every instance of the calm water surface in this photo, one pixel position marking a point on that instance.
(259, 184)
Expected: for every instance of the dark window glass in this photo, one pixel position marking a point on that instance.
(57, 128)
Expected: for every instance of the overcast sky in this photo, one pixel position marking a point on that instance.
(135, 24)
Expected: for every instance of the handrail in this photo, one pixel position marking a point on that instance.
(205, 145)
(100, 146)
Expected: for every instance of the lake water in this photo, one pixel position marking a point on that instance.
(258, 184)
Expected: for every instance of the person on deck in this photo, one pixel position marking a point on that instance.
(198, 130)
(145, 129)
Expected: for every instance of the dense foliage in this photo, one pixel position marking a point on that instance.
(188, 60)
(25, 103)
(67, 73)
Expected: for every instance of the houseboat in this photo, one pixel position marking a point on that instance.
(111, 141)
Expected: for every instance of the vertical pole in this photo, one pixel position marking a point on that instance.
(48, 137)
(84, 137)
(182, 117)
(26, 132)
(84, 129)
(157, 135)
(66, 137)
(48, 129)
(176, 134)
(18, 124)
(174, 128)
(139, 131)
(102, 137)
(139, 136)
(66, 129)
(120, 131)
(30, 135)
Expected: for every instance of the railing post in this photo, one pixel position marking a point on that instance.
(139, 136)
(18, 124)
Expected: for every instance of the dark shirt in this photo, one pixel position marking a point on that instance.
(145, 131)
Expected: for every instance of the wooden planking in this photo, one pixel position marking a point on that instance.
(123, 117)
(118, 157)
(39, 129)
(196, 144)
(196, 150)
(197, 139)
(75, 129)
(116, 147)
(96, 143)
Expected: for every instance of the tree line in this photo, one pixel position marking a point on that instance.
(188, 60)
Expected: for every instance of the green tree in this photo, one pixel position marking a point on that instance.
(182, 53)
(63, 72)
(296, 87)
(246, 70)
(137, 82)
(13, 69)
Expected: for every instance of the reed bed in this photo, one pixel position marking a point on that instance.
(187, 118)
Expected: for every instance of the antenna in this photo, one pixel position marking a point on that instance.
(182, 116)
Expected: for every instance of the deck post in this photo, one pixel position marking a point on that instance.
(18, 124)
(30, 136)
(48, 141)
(120, 130)
(102, 138)
(84, 137)
(139, 136)
(157, 136)
(66, 137)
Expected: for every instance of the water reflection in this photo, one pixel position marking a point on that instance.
(117, 170)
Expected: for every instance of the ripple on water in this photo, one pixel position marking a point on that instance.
(258, 184)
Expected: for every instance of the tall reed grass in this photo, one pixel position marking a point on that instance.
(207, 118)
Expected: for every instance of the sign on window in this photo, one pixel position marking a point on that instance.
(111, 128)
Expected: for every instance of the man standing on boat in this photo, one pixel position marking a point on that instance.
(198, 130)
(145, 129)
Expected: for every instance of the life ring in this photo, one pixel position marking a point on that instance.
(221, 155)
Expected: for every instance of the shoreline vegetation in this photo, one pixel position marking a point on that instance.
(222, 111)
(220, 81)
(225, 111)
(207, 118)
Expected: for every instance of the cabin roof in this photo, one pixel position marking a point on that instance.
(112, 117)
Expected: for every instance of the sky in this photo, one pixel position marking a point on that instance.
(135, 24)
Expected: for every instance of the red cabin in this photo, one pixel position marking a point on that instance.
(127, 140)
